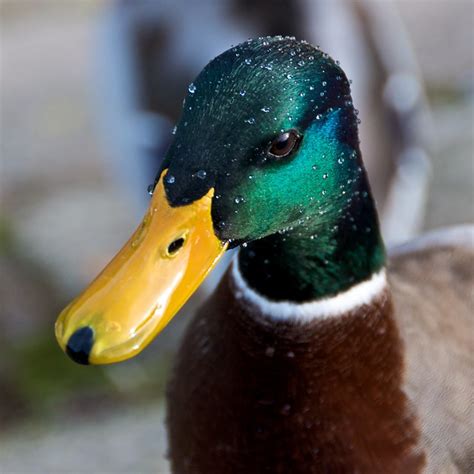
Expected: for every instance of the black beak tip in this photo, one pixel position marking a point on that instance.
(80, 344)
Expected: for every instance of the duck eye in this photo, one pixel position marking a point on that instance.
(284, 144)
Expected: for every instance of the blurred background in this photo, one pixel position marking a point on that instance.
(89, 94)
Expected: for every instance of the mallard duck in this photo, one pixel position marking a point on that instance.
(316, 353)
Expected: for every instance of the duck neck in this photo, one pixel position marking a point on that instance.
(317, 258)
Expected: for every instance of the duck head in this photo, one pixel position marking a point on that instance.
(266, 146)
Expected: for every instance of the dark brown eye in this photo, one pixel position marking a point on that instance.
(284, 144)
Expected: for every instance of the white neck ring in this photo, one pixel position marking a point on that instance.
(361, 294)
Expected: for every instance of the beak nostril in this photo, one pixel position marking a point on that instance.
(175, 246)
(80, 344)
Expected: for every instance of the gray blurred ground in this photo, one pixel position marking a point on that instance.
(131, 443)
(63, 208)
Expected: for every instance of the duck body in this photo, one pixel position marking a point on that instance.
(379, 388)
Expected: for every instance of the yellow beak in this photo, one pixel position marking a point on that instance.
(144, 285)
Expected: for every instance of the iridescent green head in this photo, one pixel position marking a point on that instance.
(270, 125)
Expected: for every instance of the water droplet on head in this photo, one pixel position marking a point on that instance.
(340, 160)
(248, 61)
(314, 167)
(175, 129)
(324, 83)
(150, 189)
(192, 88)
(201, 174)
(242, 93)
(265, 109)
(170, 179)
(325, 176)
(238, 199)
(250, 120)
(301, 63)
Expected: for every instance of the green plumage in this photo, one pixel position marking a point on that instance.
(308, 219)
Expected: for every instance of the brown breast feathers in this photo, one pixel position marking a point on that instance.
(250, 395)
